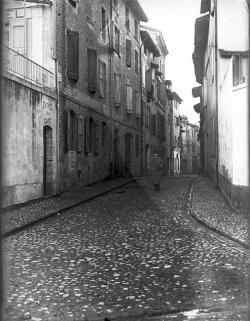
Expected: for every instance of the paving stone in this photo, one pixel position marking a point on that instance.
(126, 253)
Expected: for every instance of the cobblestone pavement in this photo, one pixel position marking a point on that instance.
(210, 206)
(130, 252)
(15, 218)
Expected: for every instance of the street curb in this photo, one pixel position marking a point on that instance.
(210, 226)
(61, 210)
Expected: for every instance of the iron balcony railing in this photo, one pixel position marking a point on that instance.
(18, 64)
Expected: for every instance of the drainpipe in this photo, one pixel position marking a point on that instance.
(217, 91)
(57, 95)
(110, 35)
(142, 110)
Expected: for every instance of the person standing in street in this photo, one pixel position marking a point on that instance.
(155, 167)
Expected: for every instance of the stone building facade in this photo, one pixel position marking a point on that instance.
(174, 130)
(221, 60)
(154, 97)
(29, 113)
(98, 57)
(190, 147)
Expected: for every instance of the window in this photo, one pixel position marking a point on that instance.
(127, 20)
(117, 89)
(73, 55)
(128, 52)
(129, 98)
(104, 134)
(103, 24)
(72, 130)
(137, 104)
(92, 70)
(96, 137)
(136, 62)
(79, 136)
(89, 135)
(18, 38)
(136, 29)
(137, 146)
(116, 40)
(238, 70)
(102, 79)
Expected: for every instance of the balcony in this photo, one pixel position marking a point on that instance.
(21, 66)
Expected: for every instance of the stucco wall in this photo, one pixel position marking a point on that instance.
(25, 112)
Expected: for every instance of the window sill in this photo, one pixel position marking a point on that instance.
(240, 86)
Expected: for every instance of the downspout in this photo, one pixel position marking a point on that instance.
(142, 110)
(110, 52)
(57, 96)
(217, 92)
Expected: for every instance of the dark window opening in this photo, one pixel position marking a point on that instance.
(103, 24)
(127, 20)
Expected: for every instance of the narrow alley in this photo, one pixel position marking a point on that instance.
(130, 254)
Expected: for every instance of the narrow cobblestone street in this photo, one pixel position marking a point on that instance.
(130, 253)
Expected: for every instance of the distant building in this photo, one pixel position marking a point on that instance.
(221, 60)
(190, 147)
(29, 109)
(154, 97)
(174, 133)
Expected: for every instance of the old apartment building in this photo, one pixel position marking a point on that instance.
(154, 97)
(99, 70)
(29, 109)
(221, 60)
(190, 147)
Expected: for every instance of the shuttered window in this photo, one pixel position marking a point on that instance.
(116, 40)
(127, 18)
(137, 104)
(79, 136)
(137, 146)
(129, 98)
(102, 79)
(73, 55)
(96, 137)
(92, 69)
(128, 52)
(117, 89)
(104, 134)
(87, 147)
(103, 24)
(136, 62)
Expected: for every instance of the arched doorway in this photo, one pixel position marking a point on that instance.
(128, 154)
(47, 161)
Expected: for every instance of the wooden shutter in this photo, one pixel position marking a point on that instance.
(87, 135)
(92, 69)
(79, 134)
(148, 79)
(102, 79)
(137, 104)
(117, 84)
(129, 98)
(128, 52)
(73, 54)
(66, 130)
(96, 137)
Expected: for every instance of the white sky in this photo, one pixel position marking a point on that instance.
(176, 20)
